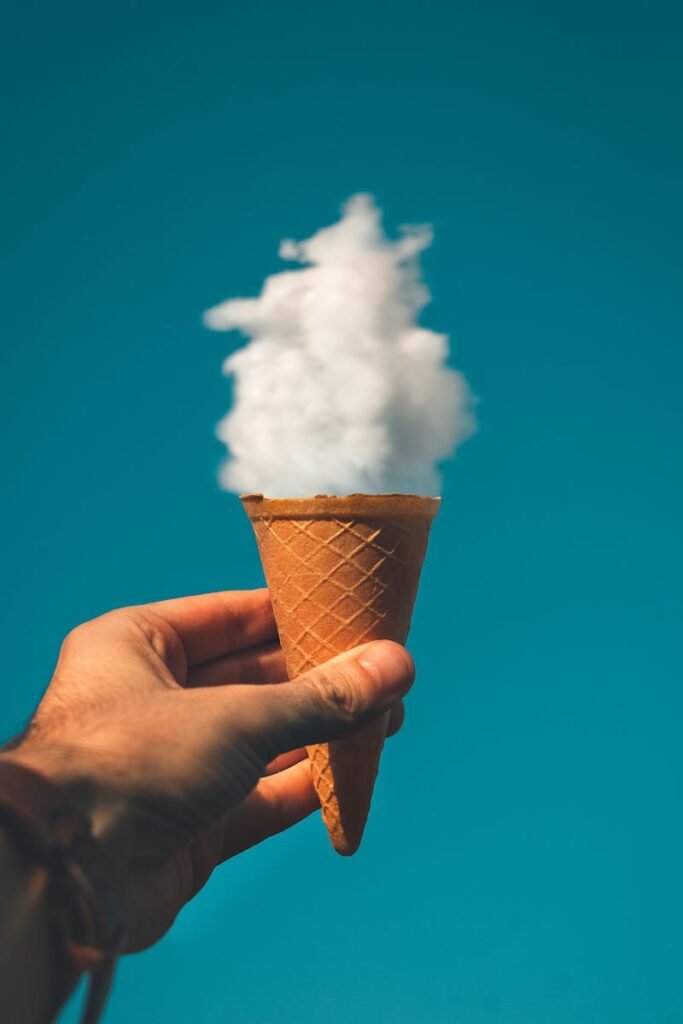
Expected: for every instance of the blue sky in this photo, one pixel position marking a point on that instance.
(522, 861)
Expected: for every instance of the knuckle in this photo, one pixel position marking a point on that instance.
(156, 632)
(277, 805)
(336, 691)
(76, 637)
(136, 625)
(93, 629)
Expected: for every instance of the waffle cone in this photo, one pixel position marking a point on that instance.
(342, 571)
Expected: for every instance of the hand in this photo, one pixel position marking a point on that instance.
(170, 725)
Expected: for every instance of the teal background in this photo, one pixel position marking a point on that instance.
(523, 858)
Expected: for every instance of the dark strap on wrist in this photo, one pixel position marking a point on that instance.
(51, 831)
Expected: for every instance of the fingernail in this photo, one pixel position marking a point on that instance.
(391, 665)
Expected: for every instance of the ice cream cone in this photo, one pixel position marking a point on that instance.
(342, 571)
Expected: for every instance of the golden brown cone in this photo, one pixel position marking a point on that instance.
(342, 571)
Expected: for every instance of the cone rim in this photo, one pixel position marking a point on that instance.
(348, 505)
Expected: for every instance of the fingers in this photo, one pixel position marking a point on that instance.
(262, 664)
(342, 694)
(280, 800)
(398, 714)
(329, 701)
(283, 761)
(277, 803)
(210, 626)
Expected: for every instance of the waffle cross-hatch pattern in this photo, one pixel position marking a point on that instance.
(338, 580)
(357, 560)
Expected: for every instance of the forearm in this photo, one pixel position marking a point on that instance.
(32, 981)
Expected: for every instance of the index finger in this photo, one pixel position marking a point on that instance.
(212, 625)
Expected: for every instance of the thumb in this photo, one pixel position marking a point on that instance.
(338, 696)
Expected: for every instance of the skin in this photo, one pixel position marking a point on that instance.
(168, 723)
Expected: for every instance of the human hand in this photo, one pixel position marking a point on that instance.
(169, 724)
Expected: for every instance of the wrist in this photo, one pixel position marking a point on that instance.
(77, 887)
(67, 769)
(34, 977)
(57, 764)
